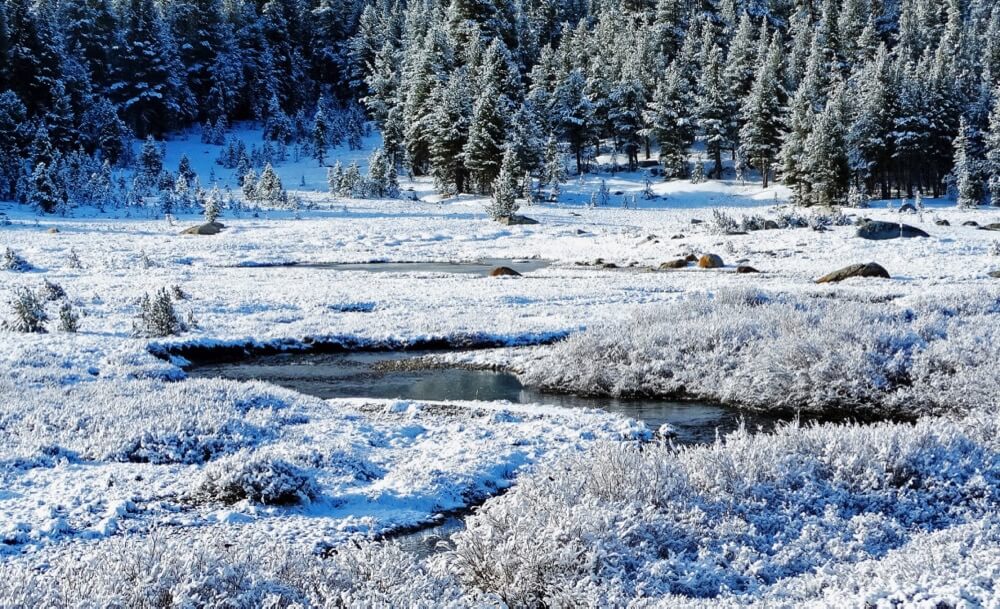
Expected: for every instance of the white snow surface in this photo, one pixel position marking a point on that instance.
(103, 443)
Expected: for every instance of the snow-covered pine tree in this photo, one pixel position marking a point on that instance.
(450, 126)
(503, 202)
(713, 109)
(825, 165)
(350, 185)
(269, 189)
(320, 135)
(248, 186)
(212, 205)
(969, 189)
(670, 122)
(554, 170)
(760, 137)
(382, 182)
(992, 165)
(150, 165)
(334, 177)
(483, 151)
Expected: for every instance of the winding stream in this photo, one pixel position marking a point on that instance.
(366, 374)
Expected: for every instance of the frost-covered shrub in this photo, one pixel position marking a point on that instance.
(69, 320)
(627, 522)
(722, 223)
(145, 421)
(995, 248)
(28, 313)
(157, 317)
(788, 353)
(222, 570)
(12, 261)
(752, 223)
(51, 291)
(823, 221)
(259, 478)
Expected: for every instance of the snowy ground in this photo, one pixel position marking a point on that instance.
(103, 441)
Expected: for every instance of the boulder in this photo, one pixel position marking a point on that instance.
(994, 226)
(995, 274)
(52, 230)
(504, 271)
(609, 265)
(877, 230)
(696, 221)
(742, 269)
(711, 261)
(907, 208)
(677, 236)
(942, 223)
(770, 225)
(855, 270)
(515, 220)
(680, 263)
(211, 228)
(970, 223)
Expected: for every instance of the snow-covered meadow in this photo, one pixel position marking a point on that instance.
(112, 458)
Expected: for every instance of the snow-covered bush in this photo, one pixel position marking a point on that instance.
(69, 320)
(626, 522)
(995, 248)
(28, 312)
(260, 478)
(50, 291)
(223, 569)
(789, 353)
(12, 261)
(157, 317)
(752, 223)
(722, 223)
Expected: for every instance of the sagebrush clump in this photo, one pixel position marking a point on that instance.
(264, 479)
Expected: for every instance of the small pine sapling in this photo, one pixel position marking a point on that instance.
(29, 313)
(69, 319)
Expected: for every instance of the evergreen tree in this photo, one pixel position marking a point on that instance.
(269, 188)
(826, 169)
(450, 128)
(671, 123)
(554, 169)
(969, 188)
(320, 135)
(503, 203)
(713, 110)
(483, 151)
(992, 166)
(760, 137)
(45, 194)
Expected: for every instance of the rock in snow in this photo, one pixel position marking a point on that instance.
(209, 228)
(855, 270)
(504, 271)
(877, 230)
(711, 261)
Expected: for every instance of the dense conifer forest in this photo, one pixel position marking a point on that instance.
(841, 100)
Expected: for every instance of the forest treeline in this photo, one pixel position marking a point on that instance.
(840, 99)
